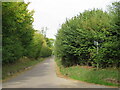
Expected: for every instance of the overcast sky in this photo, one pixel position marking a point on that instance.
(52, 13)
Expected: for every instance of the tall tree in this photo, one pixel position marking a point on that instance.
(17, 30)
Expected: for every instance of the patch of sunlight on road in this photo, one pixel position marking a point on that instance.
(46, 63)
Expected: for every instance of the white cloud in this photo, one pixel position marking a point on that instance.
(52, 13)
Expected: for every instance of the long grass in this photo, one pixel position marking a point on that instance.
(108, 76)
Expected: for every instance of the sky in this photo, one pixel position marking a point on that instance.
(52, 13)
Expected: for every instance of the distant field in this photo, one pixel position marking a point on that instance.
(109, 76)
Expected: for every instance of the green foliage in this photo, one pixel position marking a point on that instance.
(75, 40)
(45, 51)
(38, 47)
(17, 30)
(49, 42)
(115, 14)
(19, 37)
(35, 46)
(12, 51)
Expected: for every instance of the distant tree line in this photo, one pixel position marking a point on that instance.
(74, 43)
(19, 37)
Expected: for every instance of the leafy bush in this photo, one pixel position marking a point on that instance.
(75, 40)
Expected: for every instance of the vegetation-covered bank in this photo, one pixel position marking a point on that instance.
(107, 76)
(23, 64)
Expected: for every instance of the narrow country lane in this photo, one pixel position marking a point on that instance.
(43, 75)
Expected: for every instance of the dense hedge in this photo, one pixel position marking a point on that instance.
(75, 39)
(19, 37)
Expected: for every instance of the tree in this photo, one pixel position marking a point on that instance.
(35, 46)
(17, 30)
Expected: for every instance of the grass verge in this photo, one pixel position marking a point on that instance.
(108, 76)
(23, 64)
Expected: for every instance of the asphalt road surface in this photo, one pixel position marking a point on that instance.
(43, 75)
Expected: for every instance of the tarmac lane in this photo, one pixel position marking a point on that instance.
(43, 75)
